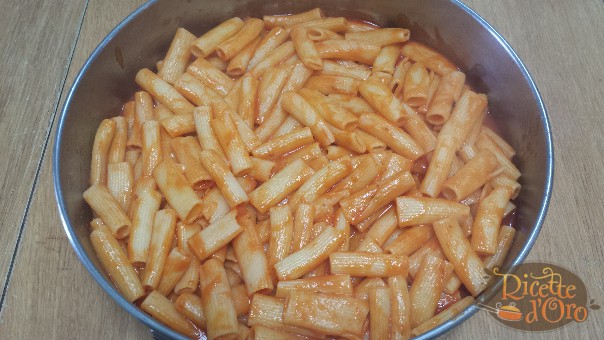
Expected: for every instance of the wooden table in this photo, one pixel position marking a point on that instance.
(47, 293)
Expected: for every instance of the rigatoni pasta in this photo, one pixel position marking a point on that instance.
(301, 176)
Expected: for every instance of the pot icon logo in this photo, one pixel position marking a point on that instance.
(538, 297)
(507, 313)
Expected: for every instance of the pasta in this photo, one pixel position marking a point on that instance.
(301, 176)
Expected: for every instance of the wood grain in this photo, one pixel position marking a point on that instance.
(50, 290)
(560, 43)
(36, 43)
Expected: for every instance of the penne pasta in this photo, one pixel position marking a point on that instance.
(504, 242)
(454, 131)
(183, 232)
(162, 235)
(217, 300)
(163, 92)
(286, 181)
(224, 178)
(269, 88)
(177, 263)
(162, 309)
(411, 240)
(458, 250)
(215, 236)
(143, 211)
(360, 51)
(152, 151)
(116, 264)
(433, 60)
(239, 167)
(255, 270)
(108, 209)
(143, 111)
(386, 60)
(400, 310)
(188, 153)
(247, 100)
(415, 211)
(177, 191)
(310, 256)
(120, 182)
(367, 264)
(416, 85)
(333, 24)
(379, 313)
(305, 48)
(284, 20)
(202, 117)
(488, 218)
(426, 289)
(190, 306)
(383, 101)
(267, 311)
(250, 30)
(300, 109)
(472, 176)
(100, 152)
(117, 150)
(330, 284)
(328, 314)
(212, 77)
(281, 234)
(215, 205)
(277, 116)
(281, 145)
(238, 65)
(394, 137)
(332, 113)
(263, 332)
(177, 58)
(319, 182)
(207, 43)
(448, 91)
(381, 36)
(326, 84)
(261, 169)
(445, 315)
(273, 58)
(321, 34)
(240, 299)
(273, 38)
(303, 223)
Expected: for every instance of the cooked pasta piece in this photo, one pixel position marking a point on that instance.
(215, 236)
(381, 36)
(283, 183)
(459, 252)
(488, 220)
(224, 178)
(379, 313)
(175, 61)
(369, 265)
(430, 58)
(161, 308)
(217, 300)
(163, 92)
(177, 191)
(207, 43)
(335, 315)
(116, 263)
(100, 152)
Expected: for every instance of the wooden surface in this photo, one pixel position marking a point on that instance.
(50, 294)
